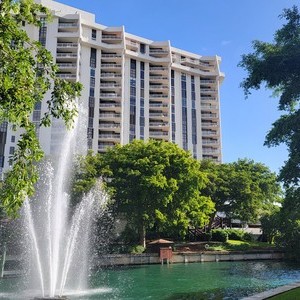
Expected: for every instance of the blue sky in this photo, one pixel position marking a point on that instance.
(223, 27)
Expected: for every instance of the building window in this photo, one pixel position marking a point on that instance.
(194, 117)
(142, 48)
(94, 34)
(11, 150)
(142, 101)
(93, 59)
(184, 112)
(36, 116)
(13, 139)
(132, 117)
(43, 31)
(173, 105)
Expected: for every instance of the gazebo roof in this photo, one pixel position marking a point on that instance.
(161, 241)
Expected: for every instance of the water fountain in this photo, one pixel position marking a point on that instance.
(58, 239)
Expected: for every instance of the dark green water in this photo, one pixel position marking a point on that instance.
(222, 280)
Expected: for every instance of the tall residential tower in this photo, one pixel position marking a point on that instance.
(134, 88)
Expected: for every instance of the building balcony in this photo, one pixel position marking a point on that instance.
(158, 97)
(208, 106)
(108, 136)
(210, 151)
(116, 107)
(209, 124)
(67, 66)
(158, 87)
(207, 90)
(159, 135)
(108, 126)
(67, 45)
(205, 98)
(210, 142)
(158, 105)
(164, 125)
(209, 133)
(110, 85)
(67, 76)
(159, 78)
(132, 45)
(207, 81)
(111, 38)
(158, 69)
(111, 58)
(109, 95)
(158, 52)
(209, 116)
(109, 116)
(66, 56)
(67, 26)
(110, 66)
(110, 75)
(158, 115)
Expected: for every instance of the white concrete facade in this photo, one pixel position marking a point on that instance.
(134, 88)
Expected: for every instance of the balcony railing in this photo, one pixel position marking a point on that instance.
(158, 87)
(109, 136)
(67, 25)
(109, 125)
(111, 55)
(110, 75)
(67, 55)
(111, 66)
(110, 85)
(109, 115)
(109, 95)
(67, 76)
(111, 37)
(105, 105)
(158, 96)
(66, 65)
(67, 45)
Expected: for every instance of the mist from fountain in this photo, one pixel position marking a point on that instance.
(58, 235)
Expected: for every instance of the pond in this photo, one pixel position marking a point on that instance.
(209, 280)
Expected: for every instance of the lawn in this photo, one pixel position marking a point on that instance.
(234, 245)
(289, 295)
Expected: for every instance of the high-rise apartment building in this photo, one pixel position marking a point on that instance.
(134, 88)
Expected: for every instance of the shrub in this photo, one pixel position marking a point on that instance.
(205, 236)
(219, 235)
(136, 249)
(235, 234)
(248, 237)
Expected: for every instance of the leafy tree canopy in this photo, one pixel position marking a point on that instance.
(154, 183)
(277, 65)
(27, 72)
(245, 190)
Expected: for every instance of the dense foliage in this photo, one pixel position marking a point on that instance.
(243, 190)
(154, 184)
(27, 72)
(277, 65)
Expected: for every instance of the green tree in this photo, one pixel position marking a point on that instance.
(27, 72)
(245, 190)
(289, 224)
(277, 65)
(153, 183)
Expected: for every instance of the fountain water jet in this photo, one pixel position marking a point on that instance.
(55, 232)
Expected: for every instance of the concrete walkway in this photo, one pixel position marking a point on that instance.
(273, 292)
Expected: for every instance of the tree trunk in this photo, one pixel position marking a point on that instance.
(212, 217)
(142, 234)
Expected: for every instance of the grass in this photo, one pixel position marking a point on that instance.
(289, 295)
(234, 245)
